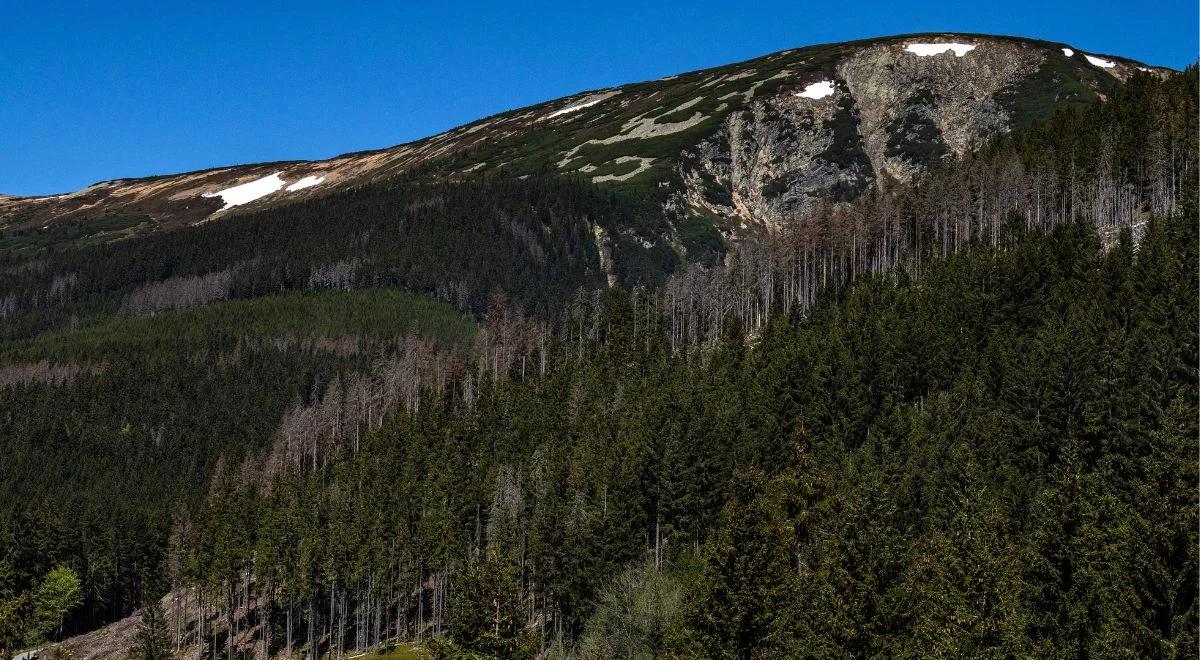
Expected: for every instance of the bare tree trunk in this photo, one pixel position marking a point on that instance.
(199, 625)
(312, 649)
(289, 626)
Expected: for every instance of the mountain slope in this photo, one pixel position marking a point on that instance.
(743, 145)
(317, 392)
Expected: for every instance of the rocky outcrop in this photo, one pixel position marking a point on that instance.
(877, 113)
(773, 159)
(917, 109)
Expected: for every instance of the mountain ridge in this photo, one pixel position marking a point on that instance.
(363, 152)
(617, 135)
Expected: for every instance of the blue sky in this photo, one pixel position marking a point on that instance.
(99, 90)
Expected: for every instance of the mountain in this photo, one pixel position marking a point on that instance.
(741, 146)
(902, 362)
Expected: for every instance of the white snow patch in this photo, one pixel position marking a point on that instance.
(248, 192)
(1103, 64)
(925, 50)
(573, 108)
(1068, 52)
(580, 106)
(817, 90)
(306, 182)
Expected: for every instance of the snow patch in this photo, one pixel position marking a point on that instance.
(248, 192)
(925, 50)
(306, 182)
(580, 106)
(1103, 64)
(1068, 52)
(573, 108)
(817, 90)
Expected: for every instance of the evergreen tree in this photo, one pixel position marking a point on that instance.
(745, 595)
(153, 640)
(485, 613)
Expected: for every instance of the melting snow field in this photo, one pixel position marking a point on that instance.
(580, 106)
(306, 182)
(817, 90)
(574, 108)
(248, 192)
(1068, 52)
(925, 50)
(1103, 64)
(259, 188)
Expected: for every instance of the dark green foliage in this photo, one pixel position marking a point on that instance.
(846, 151)
(997, 460)
(153, 641)
(701, 239)
(378, 314)
(639, 264)
(32, 242)
(845, 132)
(1060, 82)
(93, 471)
(455, 241)
(997, 457)
(742, 598)
(485, 610)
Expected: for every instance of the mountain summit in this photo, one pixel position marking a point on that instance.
(743, 145)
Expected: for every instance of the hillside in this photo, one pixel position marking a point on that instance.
(894, 353)
(742, 146)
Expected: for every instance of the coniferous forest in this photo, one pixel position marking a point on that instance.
(953, 418)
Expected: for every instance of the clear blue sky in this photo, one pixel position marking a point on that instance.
(99, 90)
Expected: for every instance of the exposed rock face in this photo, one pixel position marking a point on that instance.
(771, 160)
(916, 109)
(893, 115)
(742, 146)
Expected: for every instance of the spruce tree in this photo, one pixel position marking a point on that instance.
(153, 640)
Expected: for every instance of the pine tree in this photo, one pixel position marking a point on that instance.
(153, 639)
(746, 590)
(485, 614)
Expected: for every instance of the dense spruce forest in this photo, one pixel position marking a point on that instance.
(957, 417)
(999, 458)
